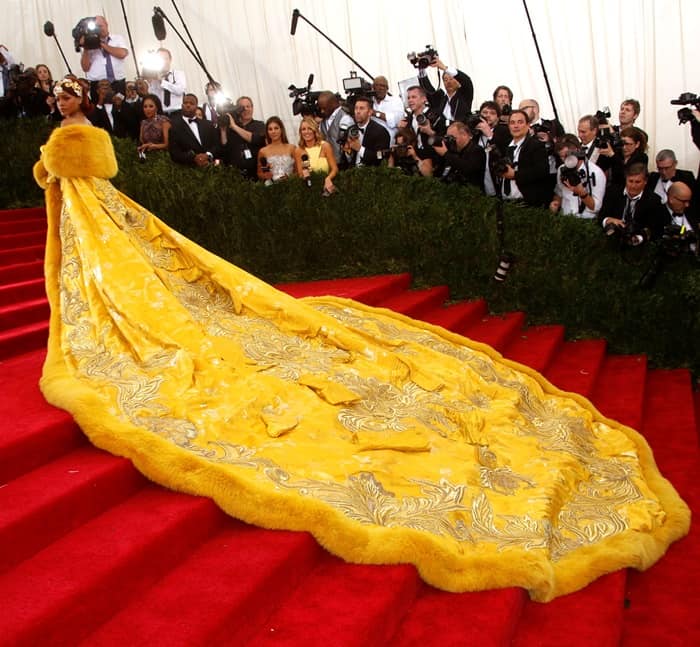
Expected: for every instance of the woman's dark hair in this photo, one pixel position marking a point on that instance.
(278, 121)
(156, 100)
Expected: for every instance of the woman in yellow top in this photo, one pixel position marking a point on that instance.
(390, 440)
(319, 154)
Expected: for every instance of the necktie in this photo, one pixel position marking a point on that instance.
(108, 66)
(166, 94)
(628, 216)
(506, 183)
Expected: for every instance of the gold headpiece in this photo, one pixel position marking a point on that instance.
(68, 84)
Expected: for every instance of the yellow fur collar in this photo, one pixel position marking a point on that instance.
(79, 151)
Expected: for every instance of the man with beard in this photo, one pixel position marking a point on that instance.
(243, 138)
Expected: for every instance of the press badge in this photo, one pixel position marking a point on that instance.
(247, 154)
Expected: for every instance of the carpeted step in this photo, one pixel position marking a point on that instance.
(342, 604)
(22, 290)
(21, 272)
(25, 254)
(591, 616)
(535, 346)
(576, 364)
(34, 432)
(483, 618)
(23, 339)
(24, 312)
(457, 316)
(219, 594)
(28, 213)
(9, 227)
(25, 239)
(619, 388)
(663, 601)
(496, 330)
(369, 290)
(45, 504)
(416, 303)
(64, 592)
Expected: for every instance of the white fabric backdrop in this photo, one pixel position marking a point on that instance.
(596, 52)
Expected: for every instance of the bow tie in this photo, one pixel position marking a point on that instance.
(362, 130)
(193, 120)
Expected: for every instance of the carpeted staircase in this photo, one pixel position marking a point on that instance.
(91, 553)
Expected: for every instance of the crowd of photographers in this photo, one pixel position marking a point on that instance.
(599, 173)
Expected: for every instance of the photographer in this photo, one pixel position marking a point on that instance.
(387, 108)
(580, 186)
(491, 133)
(363, 145)
(682, 217)
(403, 154)
(667, 172)
(105, 61)
(168, 85)
(112, 113)
(425, 124)
(464, 161)
(633, 146)
(242, 137)
(454, 103)
(525, 169)
(503, 96)
(632, 212)
(7, 61)
(334, 118)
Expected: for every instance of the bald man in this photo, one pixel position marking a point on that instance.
(106, 62)
(388, 109)
(680, 212)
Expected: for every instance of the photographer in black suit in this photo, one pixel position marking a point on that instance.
(365, 143)
(463, 160)
(667, 173)
(426, 123)
(193, 141)
(454, 103)
(525, 171)
(632, 211)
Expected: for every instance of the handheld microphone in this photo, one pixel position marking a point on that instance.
(310, 81)
(305, 166)
(158, 24)
(295, 19)
(48, 28)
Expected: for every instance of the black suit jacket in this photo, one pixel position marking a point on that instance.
(532, 172)
(686, 177)
(375, 140)
(466, 166)
(461, 101)
(650, 216)
(123, 120)
(183, 145)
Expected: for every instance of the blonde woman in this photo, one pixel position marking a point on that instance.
(320, 158)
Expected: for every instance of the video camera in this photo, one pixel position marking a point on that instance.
(609, 135)
(228, 107)
(685, 99)
(423, 59)
(305, 102)
(88, 30)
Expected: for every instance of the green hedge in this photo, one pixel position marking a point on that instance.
(566, 270)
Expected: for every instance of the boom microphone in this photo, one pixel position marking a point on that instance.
(48, 28)
(295, 19)
(158, 24)
(310, 81)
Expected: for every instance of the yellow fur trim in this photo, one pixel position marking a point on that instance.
(79, 151)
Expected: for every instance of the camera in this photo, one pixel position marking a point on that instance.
(505, 262)
(305, 102)
(357, 85)
(423, 59)
(677, 240)
(447, 140)
(351, 132)
(498, 163)
(686, 114)
(472, 121)
(89, 31)
(227, 107)
(569, 172)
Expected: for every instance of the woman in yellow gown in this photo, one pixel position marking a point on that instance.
(391, 440)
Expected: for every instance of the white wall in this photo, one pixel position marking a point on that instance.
(596, 52)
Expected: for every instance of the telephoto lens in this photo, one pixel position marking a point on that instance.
(505, 262)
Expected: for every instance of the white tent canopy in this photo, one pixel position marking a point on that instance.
(596, 52)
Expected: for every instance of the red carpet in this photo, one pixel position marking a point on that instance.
(93, 554)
